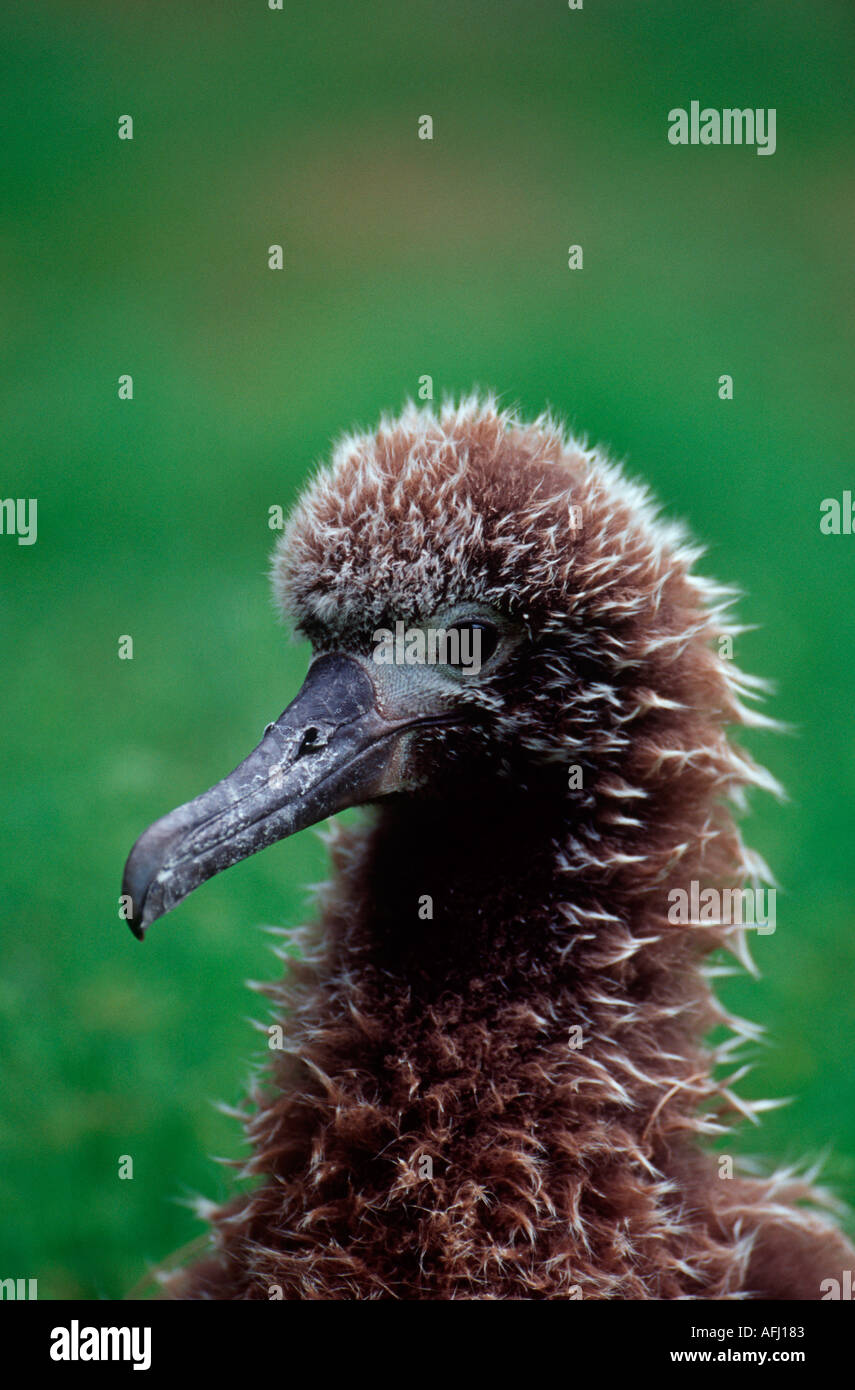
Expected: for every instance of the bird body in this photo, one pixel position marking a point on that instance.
(492, 1079)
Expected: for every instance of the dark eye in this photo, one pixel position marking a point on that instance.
(469, 645)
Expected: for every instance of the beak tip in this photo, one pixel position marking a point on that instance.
(137, 929)
(135, 892)
(140, 886)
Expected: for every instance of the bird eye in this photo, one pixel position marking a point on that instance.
(470, 645)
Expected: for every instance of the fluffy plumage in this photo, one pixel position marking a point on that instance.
(432, 1129)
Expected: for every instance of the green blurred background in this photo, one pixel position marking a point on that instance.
(402, 257)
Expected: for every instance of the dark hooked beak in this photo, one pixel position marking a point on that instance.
(330, 749)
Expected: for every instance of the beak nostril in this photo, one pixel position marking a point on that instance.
(310, 741)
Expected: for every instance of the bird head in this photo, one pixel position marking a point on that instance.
(489, 603)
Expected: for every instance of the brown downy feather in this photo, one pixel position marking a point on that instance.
(437, 1126)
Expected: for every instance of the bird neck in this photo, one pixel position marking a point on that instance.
(461, 891)
(467, 912)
